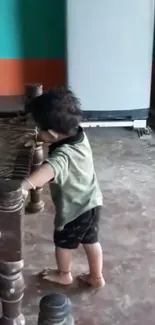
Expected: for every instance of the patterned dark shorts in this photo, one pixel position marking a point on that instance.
(83, 230)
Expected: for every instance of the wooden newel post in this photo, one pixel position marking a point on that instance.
(55, 309)
(36, 204)
(11, 262)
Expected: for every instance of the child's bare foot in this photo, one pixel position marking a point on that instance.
(56, 276)
(96, 283)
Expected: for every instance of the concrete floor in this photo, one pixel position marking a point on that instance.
(125, 166)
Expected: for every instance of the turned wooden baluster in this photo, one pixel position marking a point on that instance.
(32, 91)
(36, 204)
(11, 262)
(55, 309)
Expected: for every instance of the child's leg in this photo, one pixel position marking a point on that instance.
(93, 249)
(95, 261)
(63, 259)
(65, 241)
(63, 274)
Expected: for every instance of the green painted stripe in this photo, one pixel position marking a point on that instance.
(32, 29)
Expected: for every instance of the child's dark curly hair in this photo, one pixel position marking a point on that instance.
(57, 110)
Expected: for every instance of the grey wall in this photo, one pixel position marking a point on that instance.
(110, 52)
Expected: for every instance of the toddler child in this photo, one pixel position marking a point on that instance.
(69, 169)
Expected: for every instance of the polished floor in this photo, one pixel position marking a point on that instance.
(125, 166)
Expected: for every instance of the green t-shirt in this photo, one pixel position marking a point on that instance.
(75, 188)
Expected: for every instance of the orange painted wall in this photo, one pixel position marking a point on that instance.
(15, 73)
(32, 44)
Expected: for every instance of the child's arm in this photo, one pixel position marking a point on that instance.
(38, 178)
